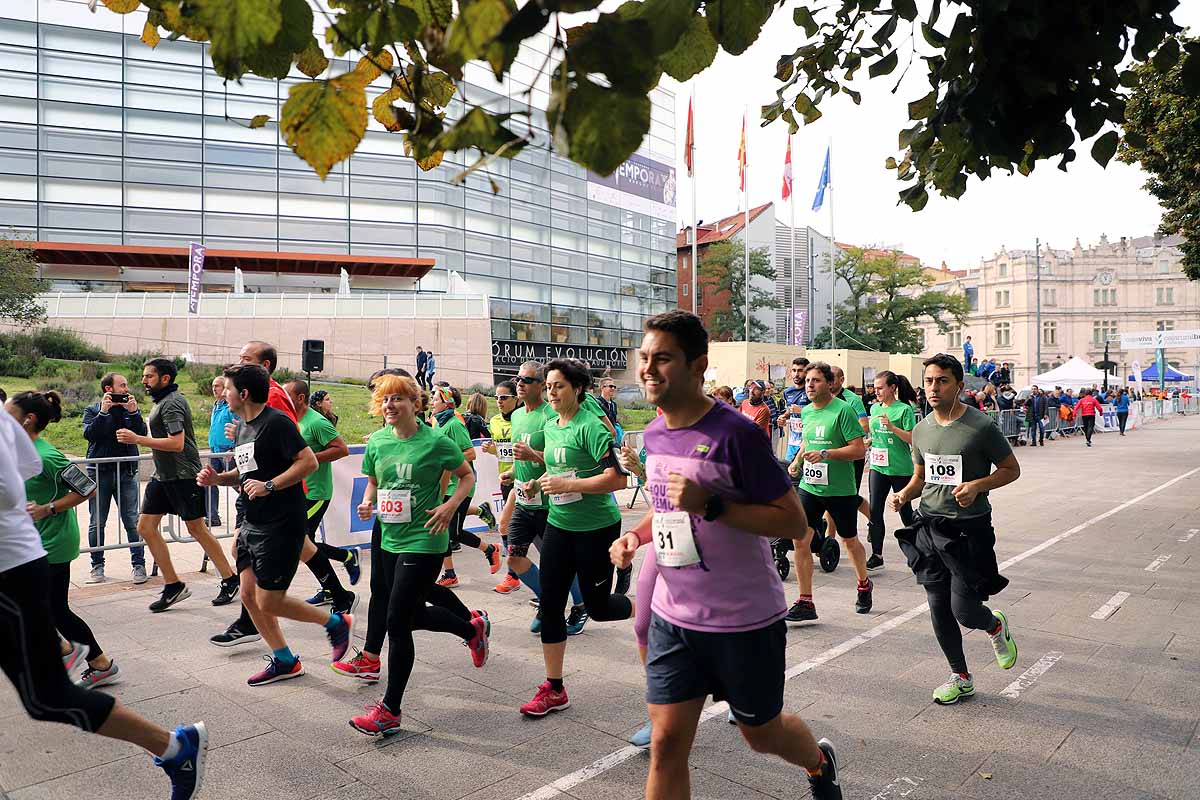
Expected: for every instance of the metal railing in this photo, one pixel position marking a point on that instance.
(224, 305)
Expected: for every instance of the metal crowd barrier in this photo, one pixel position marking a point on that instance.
(172, 532)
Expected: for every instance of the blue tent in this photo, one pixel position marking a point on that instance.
(1150, 375)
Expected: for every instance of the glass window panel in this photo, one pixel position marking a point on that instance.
(146, 195)
(382, 250)
(602, 338)
(438, 236)
(89, 236)
(538, 176)
(386, 143)
(486, 284)
(601, 247)
(178, 174)
(18, 136)
(478, 243)
(429, 191)
(139, 120)
(501, 328)
(523, 270)
(383, 188)
(249, 86)
(157, 239)
(19, 33)
(380, 233)
(567, 296)
(54, 37)
(530, 232)
(182, 101)
(486, 265)
(569, 259)
(17, 109)
(142, 74)
(67, 90)
(72, 166)
(527, 252)
(18, 187)
(241, 225)
(568, 277)
(17, 214)
(56, 215)
(311, 205)
(446, 259)
(309, 182)
(602, 300)
(440, 214)
(62, 190)
(245, 202)
(529, 312)
(530, 331)
(223, 130)
(603, 212)
(381, 167)
(603, 319)
(567, 183)
(17, 84)
(157, 221)
(383, 210)
(81, 64)
(162, 148)
(244, 178)
(486, 223)
(240, 154)
(179, 51)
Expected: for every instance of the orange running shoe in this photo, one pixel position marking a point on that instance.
(448, 581)
(508, 585)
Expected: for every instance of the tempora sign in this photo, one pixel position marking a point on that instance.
(640, 184)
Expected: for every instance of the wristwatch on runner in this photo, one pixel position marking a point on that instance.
(714, 508)
(824, 454)
(270, 486)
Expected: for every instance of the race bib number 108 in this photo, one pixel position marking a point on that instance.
(943, 470)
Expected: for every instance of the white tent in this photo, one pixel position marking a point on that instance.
(1075, 374)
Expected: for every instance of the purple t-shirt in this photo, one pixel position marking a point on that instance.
(735, 587)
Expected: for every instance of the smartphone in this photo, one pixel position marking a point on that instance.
(119, 399)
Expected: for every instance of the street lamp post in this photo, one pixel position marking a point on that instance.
(1037, 326)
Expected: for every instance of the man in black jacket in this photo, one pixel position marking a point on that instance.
(115, 409)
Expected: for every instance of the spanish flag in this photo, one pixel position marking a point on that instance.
(742, 156)
(689, 144)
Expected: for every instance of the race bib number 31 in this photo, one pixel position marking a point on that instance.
(815, 474)
(674, 542)
(943, 470)
(394, 505)
(243, 454)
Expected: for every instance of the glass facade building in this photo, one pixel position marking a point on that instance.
(105, 140)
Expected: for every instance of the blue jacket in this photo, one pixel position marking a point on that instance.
(217, 442)
(968, 353)
(100, 430)
(795, 396)
(1122, 403)
(430, 366)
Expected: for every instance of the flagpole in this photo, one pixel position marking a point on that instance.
(746, 226)
(792, 296)
(832, 246)
(695, 219)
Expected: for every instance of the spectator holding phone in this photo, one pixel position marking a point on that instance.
(116, 409)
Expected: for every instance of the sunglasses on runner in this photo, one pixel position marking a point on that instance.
(527, 380)
(500, 398)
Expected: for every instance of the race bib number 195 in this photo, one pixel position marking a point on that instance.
(943, 470)
(504, 451)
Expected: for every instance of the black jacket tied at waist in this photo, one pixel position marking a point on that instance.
(938, 548)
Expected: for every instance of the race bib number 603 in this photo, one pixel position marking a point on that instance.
(943, 470)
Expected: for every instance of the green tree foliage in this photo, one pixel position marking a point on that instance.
(1162, 133)
(886, 297)
(20, 284)
(723, 274)
(1008, 78)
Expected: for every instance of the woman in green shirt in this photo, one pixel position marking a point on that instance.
(52, 501)
(892, 421)
(404, 463)
(582, 523)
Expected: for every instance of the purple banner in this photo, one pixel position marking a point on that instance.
(639, 176)
(799, 318)
(195, 272)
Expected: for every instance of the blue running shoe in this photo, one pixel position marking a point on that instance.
(321, 598)
(576, 620)
(353, 569)
(340, 637)
(186, 769)
(642, 737)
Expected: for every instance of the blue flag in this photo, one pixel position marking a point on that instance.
(819, 200)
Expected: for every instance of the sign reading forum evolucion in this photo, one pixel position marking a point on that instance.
(508, 355)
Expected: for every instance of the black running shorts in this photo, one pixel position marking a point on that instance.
(183, 498)
(745, 668)
(271, 554)
(525, 527)
(843, 509)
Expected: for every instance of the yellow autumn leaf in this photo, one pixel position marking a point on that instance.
(259, 120)
(425, 164)
(150, 34)
(371, 67)
(324, 121)
(121, 6)
(384, 112)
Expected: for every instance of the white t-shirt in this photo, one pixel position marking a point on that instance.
(20, 542)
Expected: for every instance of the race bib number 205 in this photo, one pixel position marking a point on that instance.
(943, 470)
(243, 455)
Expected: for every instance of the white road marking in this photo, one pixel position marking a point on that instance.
(1156, 564)
(1108, 609)
(901, 787)
(618, 757)
(1030, 676)
(1191, 532)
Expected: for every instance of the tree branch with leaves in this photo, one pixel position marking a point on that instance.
(20, 284)
(723, 276)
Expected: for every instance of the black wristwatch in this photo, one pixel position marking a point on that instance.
(270, 485)
(714, 508)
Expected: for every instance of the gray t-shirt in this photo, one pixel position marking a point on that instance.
(168, 417)
(962, 451)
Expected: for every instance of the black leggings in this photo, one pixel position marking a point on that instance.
(457, 532)
(410, 582)
(880, 485)
(1122, 418)
(382, 578)
(1089, 427)
(31, 655)
(566, 554)
(952, 603)
(69, 625)
(316, 512)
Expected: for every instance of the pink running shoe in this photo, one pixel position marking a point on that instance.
(361, 666)
(545, 701)
(378, 721)
(340, 637)
(479, 642)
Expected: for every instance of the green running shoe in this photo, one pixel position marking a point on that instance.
(1003, 644)
(485, 514)
(953, 690)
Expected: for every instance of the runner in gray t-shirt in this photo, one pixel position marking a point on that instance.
(951, 546)
(173, 489)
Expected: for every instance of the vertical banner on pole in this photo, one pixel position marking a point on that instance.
(799, 318)
(195, 273)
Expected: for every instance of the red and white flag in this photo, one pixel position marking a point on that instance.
(787, 171)
(689, 144)
(742, 157)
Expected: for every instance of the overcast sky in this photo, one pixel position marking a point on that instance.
(1004, 210)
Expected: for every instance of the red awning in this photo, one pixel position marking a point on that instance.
(111, 255)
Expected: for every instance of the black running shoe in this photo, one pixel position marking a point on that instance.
(624, 576)
(874, 563)
(825, 786)
(802, 611)
(171, 594)
(862, 605)
(234, 636)
(347, 605)
(229, 591)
